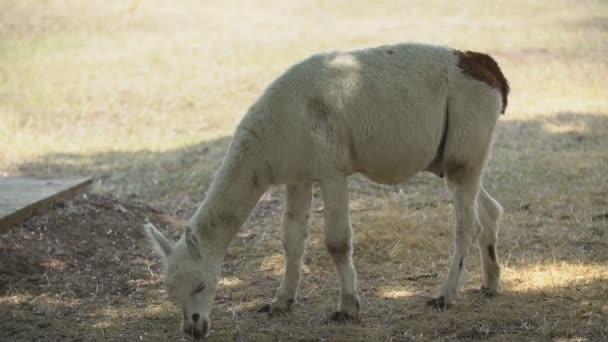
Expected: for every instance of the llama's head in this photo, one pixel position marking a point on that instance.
(190, 276)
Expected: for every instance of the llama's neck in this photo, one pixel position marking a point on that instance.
(233, 194)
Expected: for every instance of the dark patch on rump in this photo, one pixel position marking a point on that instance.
(390, 52)
(484, 68)
(290, 215)
(492, 252)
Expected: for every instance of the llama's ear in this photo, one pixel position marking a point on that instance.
(162, 246)
(192, 242)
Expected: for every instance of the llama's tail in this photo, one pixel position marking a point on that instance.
(484, 68)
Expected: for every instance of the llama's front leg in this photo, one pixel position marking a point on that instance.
(295, 226)
(338, 239)
(489, 213)
(466, 230)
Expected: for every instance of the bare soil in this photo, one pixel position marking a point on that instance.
(144, 96)
(61, 268)
(83, 271)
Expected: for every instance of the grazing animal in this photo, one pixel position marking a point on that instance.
(388, 113)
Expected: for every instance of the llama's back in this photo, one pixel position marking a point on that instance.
(380, 111)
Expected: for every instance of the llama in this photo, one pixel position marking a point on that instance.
(388, 113)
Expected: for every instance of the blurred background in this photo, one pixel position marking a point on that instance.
(84, 84)
(144, 95)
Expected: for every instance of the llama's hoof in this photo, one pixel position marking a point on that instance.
(438, 303)
(266, 308)
(271, 309)
(487, 292)
(342, 317)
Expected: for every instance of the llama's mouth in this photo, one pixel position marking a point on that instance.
(197, 331)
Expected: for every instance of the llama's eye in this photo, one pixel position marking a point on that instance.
(200, 287)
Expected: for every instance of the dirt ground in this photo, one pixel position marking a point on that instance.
(70, 263)
(144, 96)
(83, 271)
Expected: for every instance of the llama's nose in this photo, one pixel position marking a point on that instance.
(197, 331)
(195, 317)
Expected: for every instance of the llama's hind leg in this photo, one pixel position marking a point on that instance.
(338, 240)
(295, 226)
(464, 186)
(489, 214)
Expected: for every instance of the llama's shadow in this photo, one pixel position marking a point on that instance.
(188, 170)
(549, 174)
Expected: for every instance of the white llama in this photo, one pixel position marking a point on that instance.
(388, 113)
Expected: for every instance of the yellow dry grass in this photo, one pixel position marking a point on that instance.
(145, 94)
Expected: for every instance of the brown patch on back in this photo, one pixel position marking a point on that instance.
(484, 68)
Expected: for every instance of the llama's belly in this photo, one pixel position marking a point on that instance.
(386, 163)
(396, 150)
(389, 179)
(396, 167)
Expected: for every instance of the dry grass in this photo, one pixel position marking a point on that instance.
(144, 95)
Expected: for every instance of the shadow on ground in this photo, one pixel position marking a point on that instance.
(142, 175)
(83, 271)
(187, 171)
